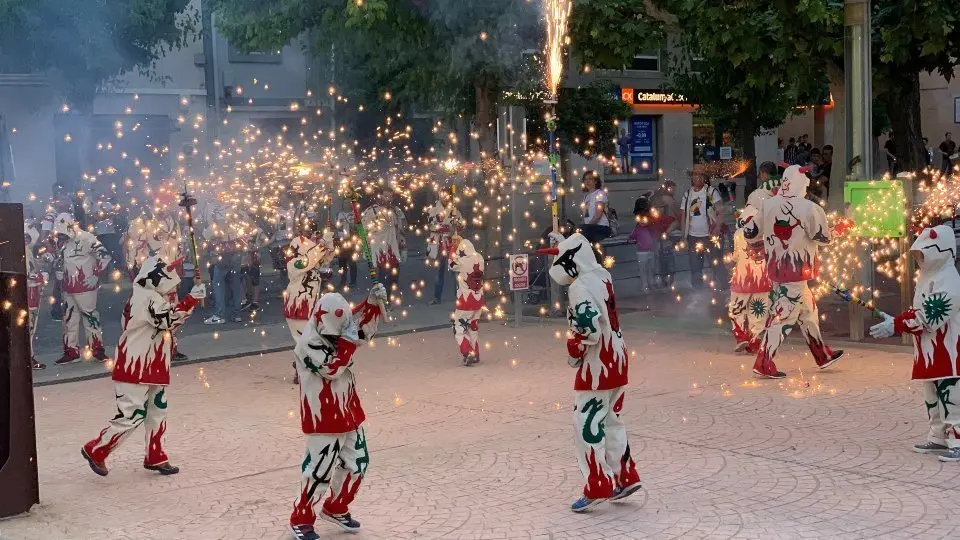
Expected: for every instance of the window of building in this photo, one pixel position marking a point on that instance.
(646, 61)
(637, 146)
(237, 57)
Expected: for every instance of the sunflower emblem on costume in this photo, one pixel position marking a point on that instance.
(758, 308)
(936, 307)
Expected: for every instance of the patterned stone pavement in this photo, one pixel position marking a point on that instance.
(486, 452)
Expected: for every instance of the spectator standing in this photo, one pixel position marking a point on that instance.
(929, 150)
(644, 239)
(106, 219)
(791, 152)
(947, 150)
(443, 222)
(623, 145)
(596, 225)
(890, 149)
(822, 179)
(701, 211)
(666, 212)
(228, 247)
(250, 269)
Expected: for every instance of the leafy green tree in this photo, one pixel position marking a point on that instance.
(82, 44)
(911, 37)
(454, 57)
(734, 62)
(595, 42)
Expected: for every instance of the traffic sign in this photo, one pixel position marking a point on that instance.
(519, 272)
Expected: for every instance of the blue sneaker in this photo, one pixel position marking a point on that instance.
(304, 532)
(584, 504)
(624, 492)
(344, 521)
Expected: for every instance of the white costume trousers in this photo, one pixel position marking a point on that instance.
(337, 461)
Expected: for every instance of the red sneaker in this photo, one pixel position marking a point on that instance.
(67, 358)
(98, 467)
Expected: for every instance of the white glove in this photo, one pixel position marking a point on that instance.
(555, 238)
(884, 329)
(199, 291)
(378, 294)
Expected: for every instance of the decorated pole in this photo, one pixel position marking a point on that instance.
(850, 299)
(353, 195)
(557, 14)
(187, 201)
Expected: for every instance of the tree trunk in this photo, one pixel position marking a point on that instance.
(838, 175)
(903, 109)
(485, 117)
(748, 130)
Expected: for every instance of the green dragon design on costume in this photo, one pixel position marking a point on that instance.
(583, 317)
(592, 408)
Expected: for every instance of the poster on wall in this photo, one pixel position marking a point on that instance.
(642, 143)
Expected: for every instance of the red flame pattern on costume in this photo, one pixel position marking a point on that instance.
(303, 513)
(787, 268)
(340, 504)
(599, 484)
(627, 475)
(297, 308)
(99, 451)
(76, 282)
(744, 280)
(821, 352)
(155, 453)
(741, 334)
(334, 416)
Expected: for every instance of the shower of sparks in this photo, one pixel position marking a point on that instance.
(557, 13)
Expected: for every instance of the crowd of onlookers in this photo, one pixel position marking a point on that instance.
(819, 160)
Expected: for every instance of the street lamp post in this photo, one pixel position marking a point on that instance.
(859, 96)
(859, 109)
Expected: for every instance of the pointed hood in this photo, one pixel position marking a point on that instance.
(64, 224)
(158, 275)
(464, 248)
(767, 189)
(795, 182)
(333, 317)
(30, 234)
(464, 257)
(939, 247)
(574, 257)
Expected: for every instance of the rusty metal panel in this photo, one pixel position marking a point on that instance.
(18, 440)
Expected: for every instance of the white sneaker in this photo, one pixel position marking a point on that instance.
(929, 448)
(213, 319)
(950, 455)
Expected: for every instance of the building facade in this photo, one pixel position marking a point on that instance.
(139, 124)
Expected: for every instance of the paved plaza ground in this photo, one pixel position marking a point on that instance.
(486, 452)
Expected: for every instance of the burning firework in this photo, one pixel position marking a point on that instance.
(557, 13)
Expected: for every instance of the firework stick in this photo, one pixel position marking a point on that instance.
(188, 203)
(362, 233)
(849, 298)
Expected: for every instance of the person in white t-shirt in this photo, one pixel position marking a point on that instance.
(595, 226)
(701, 212)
